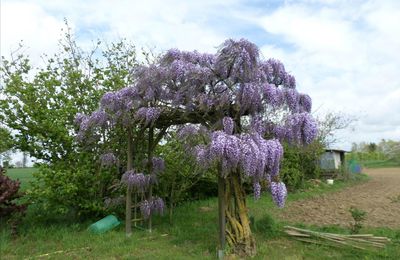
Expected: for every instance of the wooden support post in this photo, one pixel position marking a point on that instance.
(128, 209)
(135, 208)
(221, 216)
(150, 168)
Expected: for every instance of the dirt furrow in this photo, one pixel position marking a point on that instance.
(379, 197)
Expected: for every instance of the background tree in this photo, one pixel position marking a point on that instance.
(6, 144)
(330, 124)
(39, 106)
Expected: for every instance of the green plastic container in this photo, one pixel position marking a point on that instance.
(103, 225)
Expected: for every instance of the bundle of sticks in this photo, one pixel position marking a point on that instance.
(360, 241)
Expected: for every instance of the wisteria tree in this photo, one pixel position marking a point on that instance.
(232, 108)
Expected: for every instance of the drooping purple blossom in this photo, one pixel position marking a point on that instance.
(228, 125)
(249, 98)
(187, 131)
(158, 165)
(157, 205)
(137, 181)
(237, 60)
(301, 128)
(152, 206)
(305, 103)
(145, 209)
(257, 125)
(79, 118)
(148, 115)
(279, 193)
(289, 81)
(202, 156)
(108, 159)
(257, 190)
(310, 129)
(292, 99)
(278, 72)
(273, 95)
(113, 202)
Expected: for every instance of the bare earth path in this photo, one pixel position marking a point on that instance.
(379, 197)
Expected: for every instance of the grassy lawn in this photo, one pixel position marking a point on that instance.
(380, 163)
(193, 235)
(23, 174)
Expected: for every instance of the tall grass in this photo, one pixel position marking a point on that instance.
(192, 235)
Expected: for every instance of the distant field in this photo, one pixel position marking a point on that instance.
(23, 174)
(380, 163)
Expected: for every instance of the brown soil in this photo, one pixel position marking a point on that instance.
(379, 197)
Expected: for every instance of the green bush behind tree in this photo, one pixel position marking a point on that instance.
(40, 104)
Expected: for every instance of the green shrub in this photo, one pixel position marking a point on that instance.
(300, 164)
(182, 180)
(65, 191)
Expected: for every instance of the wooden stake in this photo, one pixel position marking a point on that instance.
(221, 215)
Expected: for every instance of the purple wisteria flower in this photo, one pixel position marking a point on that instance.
(257, 125)
(305, 103)
(108, 159)
(273, 95)
(245, 56)
(145, 209)
(79, 118)
(148, 114)
(157, 205)
(228, 125)
(137, 181)
(301, 128)
(202, 156)
(153, 206)
(113, 202)
(187, 131)
(158, 165)
(279, 193)
(257, 190)
(292, 98)
(249, 98)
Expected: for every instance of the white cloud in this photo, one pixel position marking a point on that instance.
(346, 59)
(28, 23)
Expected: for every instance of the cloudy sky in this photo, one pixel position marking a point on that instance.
(345, 54)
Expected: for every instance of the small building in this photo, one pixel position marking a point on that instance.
(332, 160)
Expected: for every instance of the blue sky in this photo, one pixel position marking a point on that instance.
(345, 54)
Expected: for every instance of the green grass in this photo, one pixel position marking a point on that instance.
(193, 235)
(22, 174)
(380, 163)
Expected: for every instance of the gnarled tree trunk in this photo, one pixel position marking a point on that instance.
(238, 232)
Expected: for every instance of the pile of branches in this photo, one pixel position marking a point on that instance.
(359, 241)
(9, 192)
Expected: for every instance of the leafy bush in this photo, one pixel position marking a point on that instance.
(9, 192)
(358, 216)
(182, 180)
(65, 191)
(300, 164)
(39, 105)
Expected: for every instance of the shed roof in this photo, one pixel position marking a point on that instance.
(336, 150)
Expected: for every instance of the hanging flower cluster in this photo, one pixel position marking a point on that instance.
(153, 206)
(138, 181)
(108, 159)
(279, 193)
